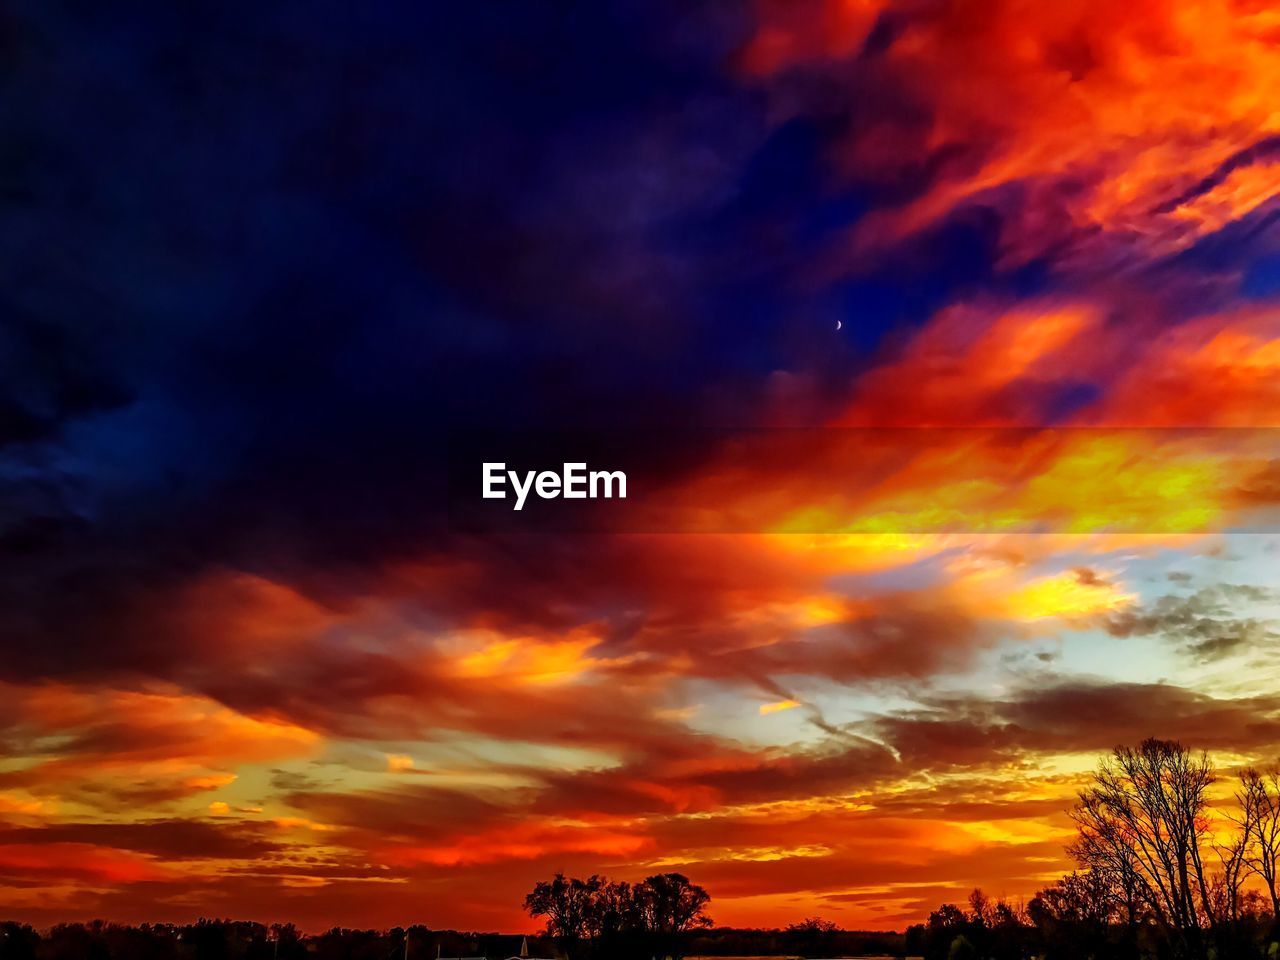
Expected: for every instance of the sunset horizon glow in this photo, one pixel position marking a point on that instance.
(261, 269)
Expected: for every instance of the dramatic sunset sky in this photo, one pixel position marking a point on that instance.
(260, 264)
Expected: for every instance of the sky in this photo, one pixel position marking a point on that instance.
(261, 262)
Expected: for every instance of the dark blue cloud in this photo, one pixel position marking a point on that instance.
(259, 260)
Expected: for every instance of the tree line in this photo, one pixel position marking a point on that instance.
(245, 940)
(211, 939)
(597, 916)
(1164, 871)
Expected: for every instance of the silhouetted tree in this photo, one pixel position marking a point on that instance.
(1259, 798)
(669, 906)
(1146, 814)
(612, 916)
(811, 937)
(652, 916)
(1082, 915)
(945, 925)
(569, 908)
(18, 941)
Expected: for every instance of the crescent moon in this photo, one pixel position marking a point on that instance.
(839, 324)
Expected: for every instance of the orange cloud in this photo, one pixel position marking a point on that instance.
(1221, 370)
(957, 370)
(399, 762)
(778, 706)
(523, 840)
(80, 862)
(1104, 116)
(161, 745)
